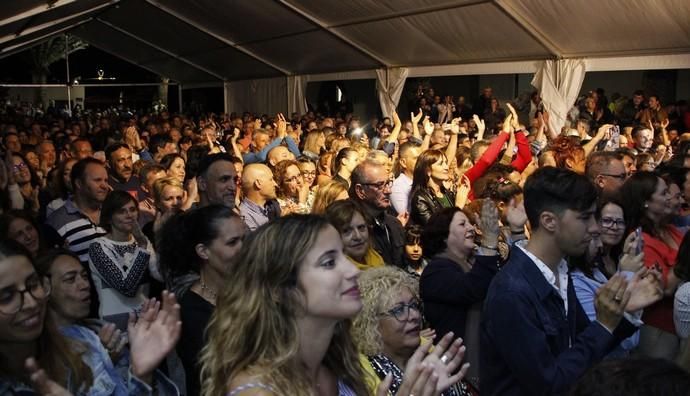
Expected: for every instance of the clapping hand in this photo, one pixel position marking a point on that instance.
(428, 373)
(153, 335)
(113, 340)
(645, 289)
(611, 300)
(455, 125)
(463, 192)
(481, 126)
(514, 121)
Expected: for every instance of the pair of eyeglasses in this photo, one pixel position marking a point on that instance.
(12, 300)
(380, 185)
(312, 174)
(608, 222)
(294, 179)
(401, 312)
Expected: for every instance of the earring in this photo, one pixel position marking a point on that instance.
(646, 206)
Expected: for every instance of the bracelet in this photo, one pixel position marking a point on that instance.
(522, 231)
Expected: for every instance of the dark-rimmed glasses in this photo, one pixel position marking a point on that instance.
(12, 300)
(401, 312)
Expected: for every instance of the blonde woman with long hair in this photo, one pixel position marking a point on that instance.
(282, 324)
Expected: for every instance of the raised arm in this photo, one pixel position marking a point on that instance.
(415, 124)
(602, 133)
(491, 153)
(453, 143)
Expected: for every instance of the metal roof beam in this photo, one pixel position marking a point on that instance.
(158, 4)
(163, 50)
(311, 18)
(529, 28)
(35, 11)
(54, 22)
(13, 49)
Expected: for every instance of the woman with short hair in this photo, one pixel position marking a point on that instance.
(387, 330)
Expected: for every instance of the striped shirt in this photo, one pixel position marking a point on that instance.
(75, 228)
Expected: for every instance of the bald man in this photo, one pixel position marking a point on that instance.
(259, 205)
(277, 154)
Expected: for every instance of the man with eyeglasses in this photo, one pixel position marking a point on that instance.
(607, 171)
(371, 187)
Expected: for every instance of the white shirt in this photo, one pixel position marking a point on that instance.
(400, 193)
(562, 273)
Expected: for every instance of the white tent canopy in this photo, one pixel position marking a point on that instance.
(225, 41)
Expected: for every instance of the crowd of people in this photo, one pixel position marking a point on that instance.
(467, 250)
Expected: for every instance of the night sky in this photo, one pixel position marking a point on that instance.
(85, 63)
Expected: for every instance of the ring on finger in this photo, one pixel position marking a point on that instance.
(444, 359)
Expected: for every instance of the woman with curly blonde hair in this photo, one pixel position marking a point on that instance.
(387, 331)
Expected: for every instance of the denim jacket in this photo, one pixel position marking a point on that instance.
(108, 379)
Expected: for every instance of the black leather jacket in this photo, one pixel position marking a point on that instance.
(423, 204)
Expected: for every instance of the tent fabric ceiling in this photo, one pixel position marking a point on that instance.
(211, 40)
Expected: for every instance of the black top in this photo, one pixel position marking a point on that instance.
(195, 313)
(424, 203)
(448, 292)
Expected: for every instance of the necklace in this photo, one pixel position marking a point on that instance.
(205, 289)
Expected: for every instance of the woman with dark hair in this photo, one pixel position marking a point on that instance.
(196, 251)
(352, 222)
(174, 165)
(27, 180)
(429, 194)
(72, 357)
(19, 226)
(308, 169)
(647, 206)
(607, 256)
(456, 280)
(122, 260)
(343, 163)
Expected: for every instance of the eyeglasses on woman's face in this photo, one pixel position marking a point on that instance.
(610, 222)
(12, 300)
(401, 312)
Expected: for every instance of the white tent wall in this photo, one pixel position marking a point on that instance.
(266, 95)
